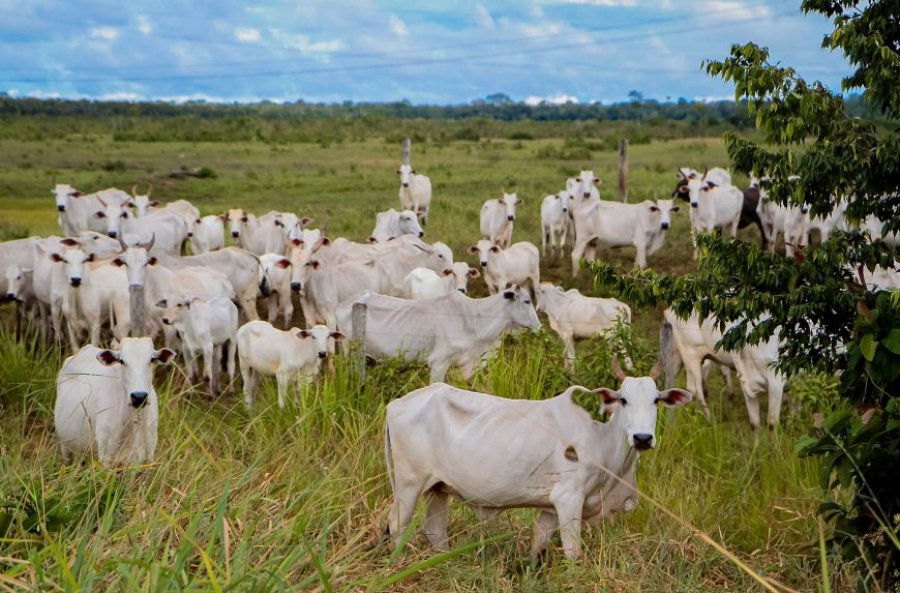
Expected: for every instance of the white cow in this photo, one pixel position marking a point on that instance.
(207, 234)
(613, 224)
(78, 211)
(290, 355)
(20, 288)
(424, 283)
(207, 328)
(106, 403)
(392, 224)
(450, 330)
(574, 316)
(875, 227)
(495, 453)
(143, 205)
(324, 286)
(696, 341)
(799, 224)
(555, 222)
(713, 205)
(265, 234)
(497, 217)
(165, 228)
(275, 272)
(517, 264)
(19, 252)
(415, 192)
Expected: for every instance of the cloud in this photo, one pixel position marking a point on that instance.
(302, 43)
(120, 96)
(483, 18)
(105, 33)
(398, 27)
(602, 2)
(246, 35)
(144, 25)
(735, 10)
(667, 5)
(560, 99)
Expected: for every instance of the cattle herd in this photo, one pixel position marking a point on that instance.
(439, 440)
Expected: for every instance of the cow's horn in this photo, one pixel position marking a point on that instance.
(134, 190)
(152, 240)
(149, 189)
(705, 171)
(616, 369)
(122, 243)
(658, 369)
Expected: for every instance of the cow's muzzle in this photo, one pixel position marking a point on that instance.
(235, 234)
(565, 209)
(61, 208)
(484, 264)
(190, 235)
(76, 282)
(642, 442)
(664, 225)
(264, 289)
(167, 321)
(694, 204)
(421, 234)
(138, 399)
(296, 286)
(462, 290)
(113, 234)
(405, 185)
(510, 218)
(11, 296)
(322, 354)
(586, 194)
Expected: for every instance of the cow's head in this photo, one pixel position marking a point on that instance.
(694, 184)
(142, 202)
(136, 258)
(461, 273)
(62, 192)
(299, 250)
(585, 184)
(443, 252)
(113, 213)
(564, 199)
(17, 280)
(510, 201)
(236, 219)
(663, 209)
(319, 334)
(272, 271)
(73, 260)
(408, 224)
(405, 172)
(633, 406)
(520, 308)
(135, 355)
(174, 309)
(484, 248)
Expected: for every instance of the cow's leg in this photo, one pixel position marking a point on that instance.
(284, 384)
(439, 370)
(694, 372)
(545, 236)
(640, 256)
(209, 354)
(249, 378)
(73, 332)
(406, 494)
(752, 403)
(568, 352)
(776, 392)
(568, 502)
(577, 252)
(287, 309)
(272, 306)
(231, 350)
(544, 526)
(437, 509)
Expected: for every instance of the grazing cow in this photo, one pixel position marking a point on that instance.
(392, 224)
(415, 192)
(496, 453)
(290, 355)
(239, 266)
(574, 316)
(555, 222)
(78, 211)
(497, 217)
(517, 264)
(450, 330)
(613, 224)
(106, 403)
(698, 341)
(713, 205)
(424, 283)
(206, 327)
(275, 286)
(207, 234)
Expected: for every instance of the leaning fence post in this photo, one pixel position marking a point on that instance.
(136, 306)
(358, 342)
(406, 149)
(623, 169)
(666, 352)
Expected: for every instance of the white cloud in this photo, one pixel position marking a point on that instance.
(541, 29)
(735, 10)
(120, 96)
(483, 18)
(105, 33)
(302, 43)
(602, 2)
(561, 99)
(398, 27)
(246, 35)
(144, 25)
(667, 5)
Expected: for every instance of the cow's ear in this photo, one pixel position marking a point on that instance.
(597, 180)
(221, 217)
(56, 257)
(76, 194)
(398, 172)
(676, 208)
(303, 334)
(519, 201)
(244, 218)
(278, 223)
(473, 249)
(672, 398)
(163, 356)
(162, 304)
(495, 249)
(306, 220)
(710, 185)
(326, 241)
(69, 242)
(509, 295)
(683, 189)
(90, 257)
(283, 263)
(413, 171)
(296, 242)
(118, 262)
(447, 272)
(337, 335)
(156, 203)
(372, 239)
(151, 261)
(473, 273)
(314, 264)
(609, 398)
(108, 357)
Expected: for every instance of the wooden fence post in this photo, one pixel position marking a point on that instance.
(358, 342)
(136, 307)
(623, 169)
(407, 144)
(667, 352)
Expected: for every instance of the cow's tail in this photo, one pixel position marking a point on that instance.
(388, 458)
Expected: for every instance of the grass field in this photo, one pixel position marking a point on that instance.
(296, 500)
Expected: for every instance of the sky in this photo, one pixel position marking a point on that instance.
(427, 52)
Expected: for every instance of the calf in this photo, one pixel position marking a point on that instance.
(495, 453)
(265, 234)
(106, 403)
(497, 217)
(206, 327)
(392, 224)
(289, 355)
(275, 286)
(424, 283)
(554, 222)
(712, 205)
(415, 192)
(518, 264)
(573, 316)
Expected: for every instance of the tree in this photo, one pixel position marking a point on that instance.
(814, 152)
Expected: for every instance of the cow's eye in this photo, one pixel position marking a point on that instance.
(623, 401)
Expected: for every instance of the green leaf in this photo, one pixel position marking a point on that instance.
(892, 341)
(868, 345)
